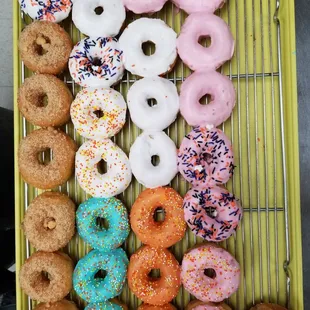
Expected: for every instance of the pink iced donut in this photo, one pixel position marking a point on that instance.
(222, 285)
(223, 98)
(194, 55)
(206, 157)
(144, 6)
(196, 6)
(212, 213)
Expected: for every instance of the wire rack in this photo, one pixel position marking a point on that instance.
(257, 131)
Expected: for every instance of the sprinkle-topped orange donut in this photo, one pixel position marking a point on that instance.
(154, 291)
(149, 231)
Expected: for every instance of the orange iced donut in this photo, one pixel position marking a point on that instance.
(59, 305)
(200, 305)
(154, 291)
(268, 307)
(163, 307)
(158, 234)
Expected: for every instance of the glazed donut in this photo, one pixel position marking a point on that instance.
(114, 304)
(61, 166)
(159, 116)
(108, 102)
(200, 305)
(106, 24)
(95, 290)
(96, 62)
(205, 157)
(212, 213)
(163, 307)
(204, 288)
(118, 176)
(45, 47)
(50, 10)
(223, 98)
(197, 6)
(114, 212)
(149, 30)
(158, 234)
(37, 285)
(59, 305)
(267, 307)
(31, 98)
(49, 222)
(144, 6)
(194, 55)
(150, 290)
(147, 145)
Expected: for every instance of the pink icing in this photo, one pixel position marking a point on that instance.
(226, 281)
(195, 55)
(144, 6)
(196, 6)
(223, 98)
(206, 307)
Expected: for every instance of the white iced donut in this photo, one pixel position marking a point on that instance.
(98, 113)
(163, 113)
(99, 18)
(50, 10)
(118, 175)
(149, 30)
(96, 62)
(147, 145)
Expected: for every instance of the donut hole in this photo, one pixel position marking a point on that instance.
(155, 160)
(211, 212)
(210, 273)
(102, 167)
(42, 101)
(45, 156)
(205, 41)
(159, 215)
(102, 223)
(100, 274)
(206, 99)
(40, 280)
(207, 157)
(148, 48)
(152, 102)
(49, 223)
(96, 62)
(42, 44)
(154, 274)
(98, 113)
(99, 10)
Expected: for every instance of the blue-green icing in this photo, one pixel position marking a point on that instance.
(103, 306)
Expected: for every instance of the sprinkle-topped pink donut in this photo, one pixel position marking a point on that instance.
(194, 55)
(144, 6)
(204, 288)
(196, 6)
(223, 98)
(206, 157)
(212, 213)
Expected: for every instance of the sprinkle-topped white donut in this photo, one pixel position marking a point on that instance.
(149, 30)
(163, 113)
(118, 175)
(87, 108)
(96, 62)
(51, 10)
(99, 18)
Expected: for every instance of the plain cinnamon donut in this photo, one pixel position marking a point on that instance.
(59, 305)
(51, 287)
(45, 47)
(38, 88)
(58, 170)
(197, 304)
(268, 307)
(154, 291)
(163, 307)
(49, 223)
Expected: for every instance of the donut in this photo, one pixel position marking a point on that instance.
(45, 47)
(159, 116)
(267, 307)
(197, 6)
(58, 170)
(144, 6)
(146, 146)
(158, 234)
(114, 304)
(94, 290)
(50, 10)
(215, 289)
(115, 214)
(38, 88)
(51, 287)
(200, 305)
(96, 62)
(59, 305)
(88, 103)
(212, 213)
(99, 18)
(154, 291)
(149, 30)
(223, 98)
(118, 176)
(205, 157)
(163, 307)
(49, 222)
(194, 55)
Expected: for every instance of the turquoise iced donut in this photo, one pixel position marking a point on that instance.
(96, 290)
(104, 306)
(110, 209)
